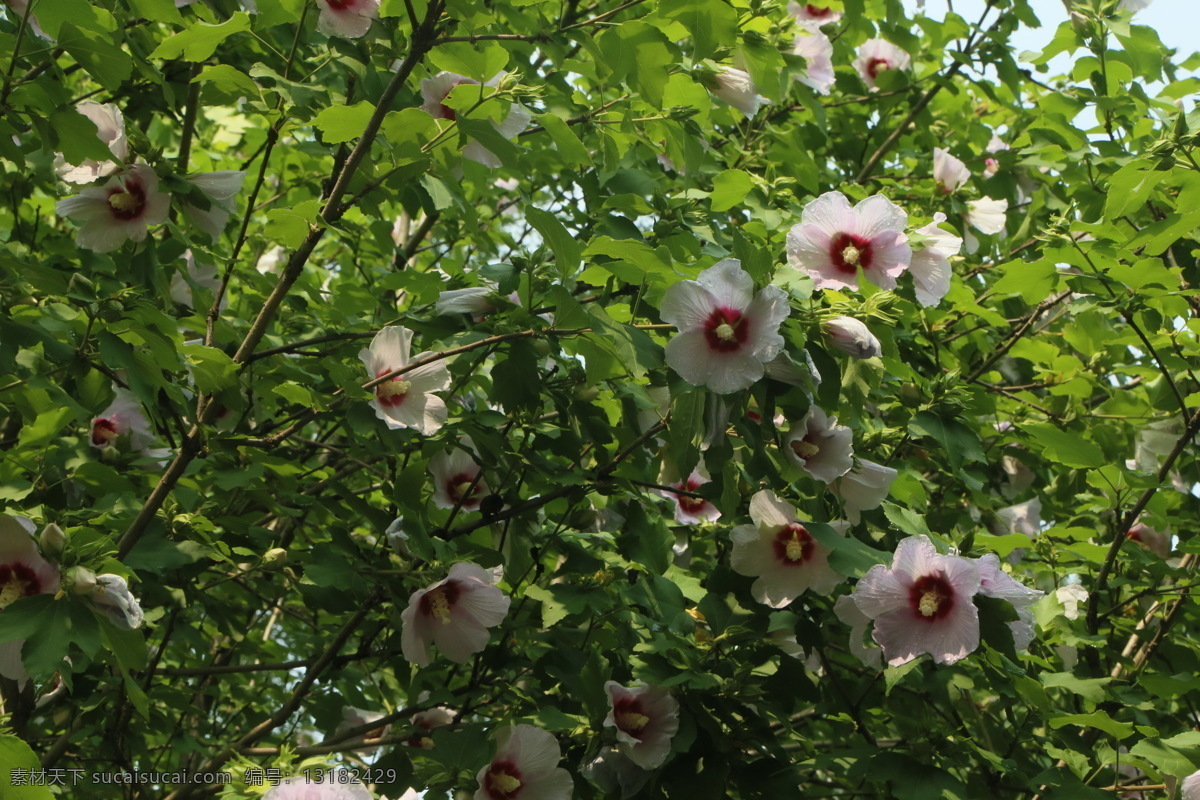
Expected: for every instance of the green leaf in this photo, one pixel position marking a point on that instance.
(480, 63)
(712, 23)
(1164, 757)
(641, 55)
(567, 249)
(229, 81)
(158, 10)
(343, 123)
(16, 755)
(46, 427)
(552, 610)
(78, 138)
(1097, 719)
(108, 64)
(850, 556)
(407, 130)
(569, 147)
(211, 368)
(129, 651)
(516, 381)
(893, 675)
(1093, 689)
(907, 520)
(994, 616)
(729, 189)
(1032, 280)
(200, 41)
(960, 443)
(1129, 187)
(80, 14)
(485, 133)
(1064, 447)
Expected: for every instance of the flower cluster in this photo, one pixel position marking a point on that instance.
(130, 202)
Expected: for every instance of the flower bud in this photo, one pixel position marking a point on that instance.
(852, 337)
(274, 558)
(52, 541)
(81, 580)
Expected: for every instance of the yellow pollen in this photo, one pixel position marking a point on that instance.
(393, 388)
(724, 332)
(123, 201)
(851, 254)
(805, 449)
(633, 721)
(506, 783)
(929, 604)
(14, 589)
(440, 606)
(426, 743)
(795, 550)
(462, 489)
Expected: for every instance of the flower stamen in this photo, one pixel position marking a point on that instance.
(929, 604)
(851, 254)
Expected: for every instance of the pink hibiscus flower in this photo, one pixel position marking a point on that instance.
(454, 478)
(833, 241)
(123, 208)
(454, 613)
(110, 128)
(646, 718)
(877, 55)
(123, 424)
(23, 573)
(930, 265)
(408, 400)
(691, 510)
(817, 50)
(821, 447)
(922, 604)
(1156, 541)
(949, 173)
(811, 15)
(780, 552)
(863, 488)
(525, 767)
(726, 332)
(301, 787)
(434, 92)
(734, 87)
(995, 582)
(220, 188)
(349, 18)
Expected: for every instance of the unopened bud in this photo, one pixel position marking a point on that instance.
(852, 337)
(81, 580)
(52, 541)
(274, 558)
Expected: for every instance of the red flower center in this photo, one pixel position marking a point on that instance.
(793, 545)
(16, 581)
(848, 251)
(128, 202)
(726, 330)
(391, 393)
(457, 489)
(502, 781)
(691, 505)
(439, 601)
(818, 11)
(630, 716)
(104, 431)
(878, 65)
(931, 597)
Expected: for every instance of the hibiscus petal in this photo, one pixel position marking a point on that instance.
(686, 304)
(729, 284)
